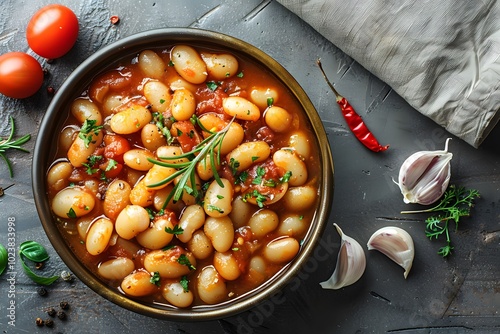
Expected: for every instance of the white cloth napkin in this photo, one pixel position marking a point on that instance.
(442, 57)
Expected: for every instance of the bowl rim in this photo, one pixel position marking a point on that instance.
(125, 47)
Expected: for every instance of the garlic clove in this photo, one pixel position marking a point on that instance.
(396, 244)
(425, 175)
(351, 263)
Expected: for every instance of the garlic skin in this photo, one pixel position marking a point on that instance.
(425, 175)
(396, 244)
(351, 263)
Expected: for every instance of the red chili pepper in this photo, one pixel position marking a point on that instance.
(353, 120)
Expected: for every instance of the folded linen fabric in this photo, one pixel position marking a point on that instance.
(442, 57)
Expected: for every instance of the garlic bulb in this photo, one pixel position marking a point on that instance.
(425, 175)
(351, 263)
(396, 244)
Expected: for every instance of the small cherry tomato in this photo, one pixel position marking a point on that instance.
(20, 75)
(52, 31)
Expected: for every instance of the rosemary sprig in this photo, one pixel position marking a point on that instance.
(12, 144)
(188, 169)
(456, 203)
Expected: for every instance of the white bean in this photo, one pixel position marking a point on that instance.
(116, 269)
(204, 168)
(151, 64)
(249, 153)
(158, 95)
(166, 263)
(82, 226)
(260, 96)
(156, 175)
(72, 202)
(241, 213)
(58, 175)
(281, 250)
(220, 66)
(167, 153)
(116, 198)
(257, 269)
(200, 245)
(175, 294)
(289, 161)
(83, 109)
(98, 236)
(188, 63)
(211, 286)
(138, 159)
(218, 199)
(183, 105)
(132, 220)
(130, 120)
(192, 218)
(227, 265)
(138, 284)
(300, 198)
(300, 143)
(141, 194)
(111, 103)
(263, 222)
(152, 138)
(293, 225)
(67, 137)
(187, 198)
(155, 237)
(82, 149)
(220, 231)
(176, 82)
(241, 108)
(161, 196)
(278, 119)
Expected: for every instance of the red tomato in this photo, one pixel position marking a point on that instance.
(52, 31)
(20, 75)
(115, 147)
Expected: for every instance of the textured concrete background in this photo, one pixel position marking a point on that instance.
(458, 295)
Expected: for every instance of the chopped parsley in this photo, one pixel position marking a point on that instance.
(212, 85)
(259, 198)
(92, 160)
(261, 171)
(241, 178)
(240, 75)
(285, 178)
(184, 283)
(155, 279)
(183, 259)
(89, 128)
(211, 207)
(234, 164)
(176, 230)
(111, 165)
(254, 158)
(270, 101)
(220, 196)
(71, 213)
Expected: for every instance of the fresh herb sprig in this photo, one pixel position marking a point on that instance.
(456, 203)
(35, 252)
(188, 169)
(12, 144)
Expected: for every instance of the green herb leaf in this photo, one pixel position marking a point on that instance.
(71, 213)
(12, 144)
(111, 164)
(88, 129)
(155, 279)
(212, 85)
(211, 207)
(184, 282)
(176, 230)
(234, 164)
(261, 171)
(33, 251)
(285, 178)
(270, 101)
(3, 259)
(455, 203)
(240, 75)
(184, 260)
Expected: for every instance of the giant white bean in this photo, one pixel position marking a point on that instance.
(188, 63)
(211, 286)
(67, 137)
(260, 96)
(241, 213)
(130, 120)
(220, 231)
(141, 194)
(155, 237)
(151, 64)
(300, 143)
(138, 284)
(58, 175)
(175, 294)
(98, 236)
(82, 149)
(84, 109)
(132, 220)
(167, 264)
(218, 198)
(161, 196)
(249, 153)
(263, 222)
(220, 66)
(278, 119)
(183, 104)
(116, 198)
(156, 175)
(289, 161)
(192, 218)
(72, 202)
(293, 225)
(200, 245)
(227, 265)
(116, 269)
(281, 250)
(138, 159)
(158, 95)
(300, 198)
(241, 108)
(152, 138)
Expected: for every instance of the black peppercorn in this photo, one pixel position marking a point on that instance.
(49, 323)
(41, 291)
(61, 315)
(64, 305)
(39, 322)
(51, 312)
